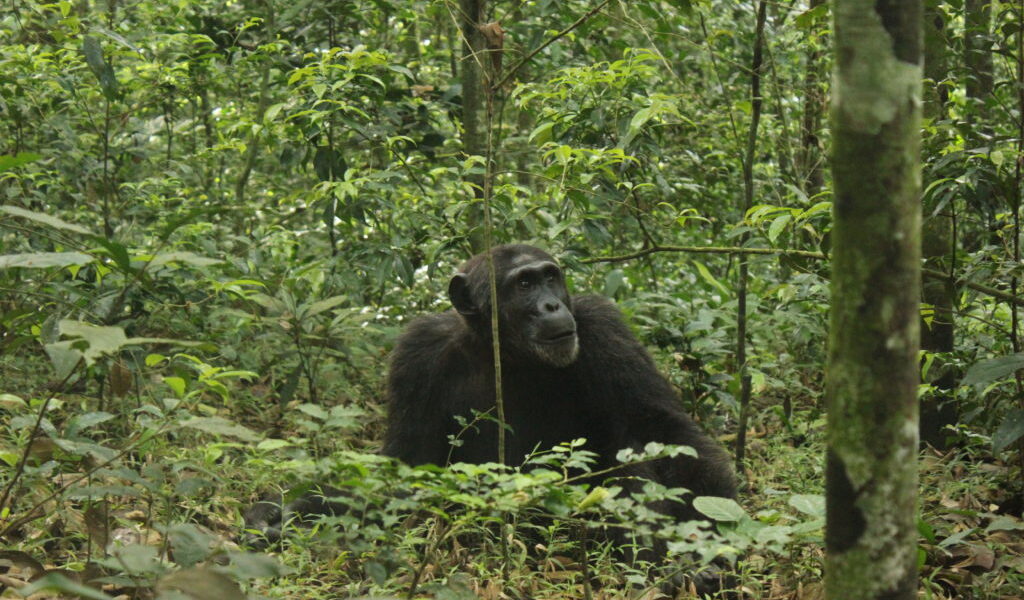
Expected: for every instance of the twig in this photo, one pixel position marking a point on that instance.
(512, 71)
(932, 273)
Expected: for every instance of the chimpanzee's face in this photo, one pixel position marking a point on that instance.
(537, 313)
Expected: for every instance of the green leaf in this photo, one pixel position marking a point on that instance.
(118, 253)
(190, 545)
(809, 17)
(542, 133)
(177, 385)
(613, 282)
(992, 369)
(12, 402)
(809, 504)
(43, 218)
(1011, 430)
(100, 67)
(563, 154)
(222, 427)
(322, 305)
(189, 258)
(778, 225)
(313, 410)
(708, 277)
(9, 161)
(153, 360)
(596, 496)
(63, 358)
(249, 565)
(719, 509)
(1005, 523)
(100, 340)
(43, 260)
(637, 123)
(272, 444)
(201, 583)
(56, 582)
(272, 112)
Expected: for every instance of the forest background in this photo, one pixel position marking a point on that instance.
(217, 216)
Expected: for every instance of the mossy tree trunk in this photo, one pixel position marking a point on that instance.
(871, 474)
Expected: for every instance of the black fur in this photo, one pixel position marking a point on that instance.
(610, 392)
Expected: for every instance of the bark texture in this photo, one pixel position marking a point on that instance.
(871, 471)
(937, 245)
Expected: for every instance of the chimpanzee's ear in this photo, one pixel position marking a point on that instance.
(459, 294)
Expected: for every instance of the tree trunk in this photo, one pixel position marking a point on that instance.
(937, 246)
(811, 157)
(474, 107)
(871, 386)
(978, 50)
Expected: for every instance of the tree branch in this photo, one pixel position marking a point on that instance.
(515, 68)
(930, 273)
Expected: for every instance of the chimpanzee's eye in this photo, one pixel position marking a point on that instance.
(524, 283)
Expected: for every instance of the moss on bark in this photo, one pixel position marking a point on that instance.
(873, 365)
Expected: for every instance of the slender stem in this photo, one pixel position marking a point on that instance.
(499, 396)
(19, 469)
(1015, 202)
(757, 64)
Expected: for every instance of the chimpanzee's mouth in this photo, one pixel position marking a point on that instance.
(560, 337)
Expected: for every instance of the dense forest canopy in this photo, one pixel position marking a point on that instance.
(217, 216)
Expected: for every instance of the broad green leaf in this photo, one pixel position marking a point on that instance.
(637, 123)
(154, 359)
(542, 133)
(101, 339)
(317, 412)
(708, 277)
(613, 281)
(250, 565)
(778, 225)
(222, 427)
(563, 154)
(809, 504)
(190, 545)
(43, 218)
(43, 260)
(1011, 430)
(1005, 523)
(189, 258)
(99, 66)
(63, 358)
(810, 16)
(11, 402)
(10, 161)
(596, 496)
(55, 582)
(273, 444)
(719, 509)
(272, 112)
(817, 208)
(992, 369)
(177, 385)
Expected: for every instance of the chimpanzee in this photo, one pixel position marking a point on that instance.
(571, 369)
